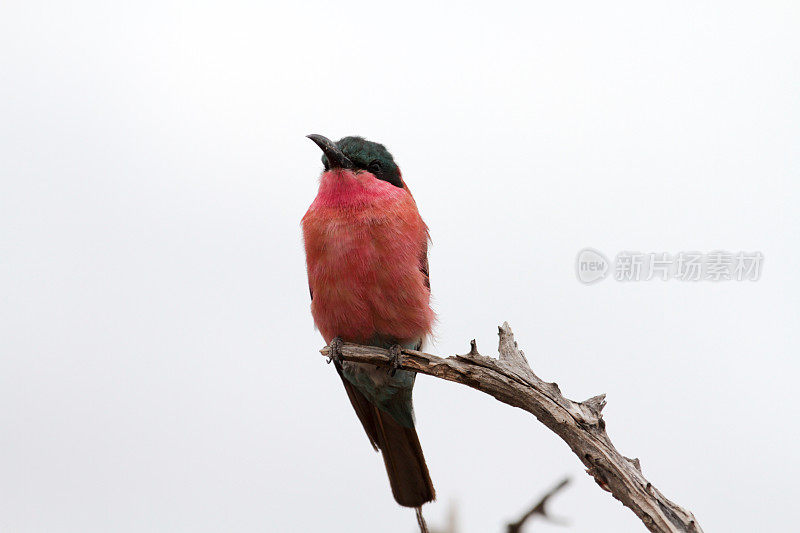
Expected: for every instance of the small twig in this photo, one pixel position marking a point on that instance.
(423, 527)
(451, 526)
(579, 424)
(539, 508)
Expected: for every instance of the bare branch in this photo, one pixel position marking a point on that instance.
(423, 526)
(451, 525)
(539, 508)
(580, 424)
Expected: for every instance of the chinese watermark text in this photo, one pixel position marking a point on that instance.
(592, 266)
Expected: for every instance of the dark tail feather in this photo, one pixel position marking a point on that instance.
(402, 454)
(408, 474)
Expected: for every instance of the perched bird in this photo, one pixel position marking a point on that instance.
(367, 259)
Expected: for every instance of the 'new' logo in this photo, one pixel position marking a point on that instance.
(591, 266)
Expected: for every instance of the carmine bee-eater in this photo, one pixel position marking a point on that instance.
(367, 259)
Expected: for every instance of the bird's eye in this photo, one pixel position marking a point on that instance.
(375, 166)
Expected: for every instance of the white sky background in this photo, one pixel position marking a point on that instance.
(158, 363)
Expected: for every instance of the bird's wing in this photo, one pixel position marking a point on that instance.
(423, 264)
(362, 407)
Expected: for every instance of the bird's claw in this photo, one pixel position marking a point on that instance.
(395, 359)
(335, 350)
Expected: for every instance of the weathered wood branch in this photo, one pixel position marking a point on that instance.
(579, 424)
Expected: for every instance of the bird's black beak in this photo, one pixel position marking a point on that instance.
(336, 158)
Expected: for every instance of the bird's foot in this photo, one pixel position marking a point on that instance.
(395, 358)
(335, 351)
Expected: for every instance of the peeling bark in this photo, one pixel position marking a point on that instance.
(510, 380)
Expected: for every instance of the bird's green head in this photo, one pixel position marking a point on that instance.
(359, 155)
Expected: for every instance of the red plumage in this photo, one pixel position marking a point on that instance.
(366, 253)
